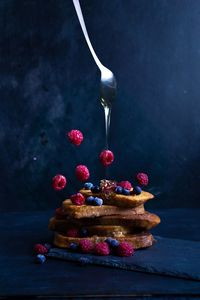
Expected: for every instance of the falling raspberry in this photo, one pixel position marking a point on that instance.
(106, 158)
(78, 199)
(59, 182)
(82, 173)
(75, 137)
(125, 249)
(142, 179)
(102, 248)
(125, 184)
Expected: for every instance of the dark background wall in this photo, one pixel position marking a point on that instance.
(49, 84)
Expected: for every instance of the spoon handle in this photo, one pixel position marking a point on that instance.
(82, 23)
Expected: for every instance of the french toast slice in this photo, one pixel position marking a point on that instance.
(89, 211)
(144, 221)
(140, 240)
(101, 230)
(126, 201)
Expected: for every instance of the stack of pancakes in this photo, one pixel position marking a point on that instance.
(122, 217)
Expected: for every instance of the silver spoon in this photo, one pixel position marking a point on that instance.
(108, 84)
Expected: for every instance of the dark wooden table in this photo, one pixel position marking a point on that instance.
(21, 278)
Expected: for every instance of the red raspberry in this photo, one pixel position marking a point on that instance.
(82, 173)
(59, 213)
(40, 249)
(106, 158)
(125, 184)
(86, 246)
(102, 248)
(59, 182)
(75, 137)
(72, 232)
(142, 179)
(77, 199)
(125, 249)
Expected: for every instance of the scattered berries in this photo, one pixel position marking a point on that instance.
(118, 190)
(75, 137)
(40, 249)
(86, 246)
(59, 213)
(59, 182)
(137, 190)
(40, 259)
(73, 246)
(77, 199)
(72, 232)
(125, 249)
(88, 185)
(142, 179)
(82, 173)
(106, 158)
(102, 248)
(125, 184)
(98, 201)
(126, 192)
(112, 242)
(96, 189)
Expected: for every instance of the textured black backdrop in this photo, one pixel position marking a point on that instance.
(49, 84)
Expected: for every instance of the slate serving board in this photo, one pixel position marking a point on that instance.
(170, 257)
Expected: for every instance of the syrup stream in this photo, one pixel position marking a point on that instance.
(106, 106)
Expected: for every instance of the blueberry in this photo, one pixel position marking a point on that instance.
(90, 200)
(83, 232)
(137, 190)
(118, 190)
(40, 258)
(125, 192)
(73, 246)
(48, 246)
(112, 242)
(88, 185)
(96, 189)
(98, 201)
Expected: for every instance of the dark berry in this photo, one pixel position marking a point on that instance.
(73, 246)
(90, 200)
(83, 232)
(98, 201)
(112, 242)
(137, 190)
(119, 190)
(88, 185)
(40, 259)
(96, 189)
(126, 192)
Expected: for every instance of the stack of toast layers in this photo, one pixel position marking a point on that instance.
(122, 217)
